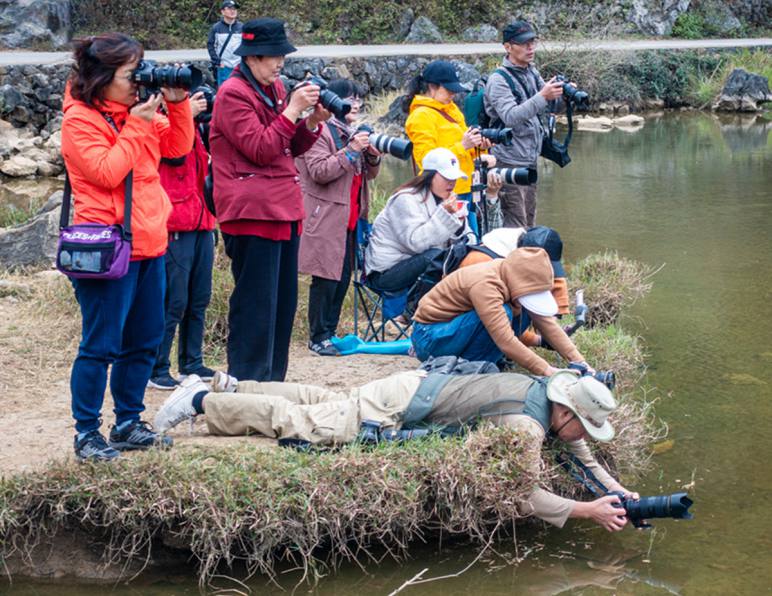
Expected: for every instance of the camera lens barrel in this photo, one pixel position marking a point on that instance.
(675, 505)
(498, 136)
(520, 176)
(399, 148)
(148, 74)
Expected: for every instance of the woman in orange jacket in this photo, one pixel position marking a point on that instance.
(106, 134)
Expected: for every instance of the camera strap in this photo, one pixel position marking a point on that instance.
(250, 78)
(571, 464)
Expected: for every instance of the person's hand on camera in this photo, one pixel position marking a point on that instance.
(471, 139)
(359, 141)
(495, 182)
(489, 160)
(320, 114)
(604, 512)
(552, 89)
(197, 103)
(147, 109)
(174, 95)
(486, 143)
(303, 97)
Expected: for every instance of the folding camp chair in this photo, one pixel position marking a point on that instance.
(378, 308)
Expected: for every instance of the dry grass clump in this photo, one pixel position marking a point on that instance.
(611, 283)
(259, 506)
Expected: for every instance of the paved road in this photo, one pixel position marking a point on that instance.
(448, 49)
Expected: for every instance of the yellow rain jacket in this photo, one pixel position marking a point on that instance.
(429, 129)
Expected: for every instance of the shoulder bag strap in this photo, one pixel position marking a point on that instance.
(447, 117)
(225, 45)
(128, 183)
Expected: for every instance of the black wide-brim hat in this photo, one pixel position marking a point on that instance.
(264, 37)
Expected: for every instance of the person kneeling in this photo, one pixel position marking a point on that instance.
(565, 406)
(469, 313)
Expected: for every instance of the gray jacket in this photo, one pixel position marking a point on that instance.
(522, 118)
(410, 224)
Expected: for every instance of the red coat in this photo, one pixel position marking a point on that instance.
(184, 183)
(253, 150)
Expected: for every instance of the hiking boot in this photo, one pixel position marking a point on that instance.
(323, 348)
(163, 382)
(224, 383)
(137, 434)
(204, 373)
(178, 407)
(92, 447)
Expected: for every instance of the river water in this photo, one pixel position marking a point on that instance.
(693, 193)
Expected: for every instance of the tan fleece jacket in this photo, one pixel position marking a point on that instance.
(486, 288)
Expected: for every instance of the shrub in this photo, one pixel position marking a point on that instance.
(689, 25)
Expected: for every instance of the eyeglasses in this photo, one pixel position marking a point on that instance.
(566, 423)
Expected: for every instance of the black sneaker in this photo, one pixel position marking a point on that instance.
(93, 447)
(164, 382)
(323, 348)
(138, 435)
(205, 373)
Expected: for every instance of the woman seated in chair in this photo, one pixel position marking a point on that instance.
(419, 222)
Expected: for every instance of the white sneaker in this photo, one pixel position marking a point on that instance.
(224, 383)
(178, 407)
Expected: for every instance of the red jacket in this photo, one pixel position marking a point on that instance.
(184, 183)
(98, 159)
(253, 150)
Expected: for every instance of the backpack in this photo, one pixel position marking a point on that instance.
(474, 105)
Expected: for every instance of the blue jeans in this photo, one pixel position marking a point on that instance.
(123, 323)
(464, 336)
(188, 260)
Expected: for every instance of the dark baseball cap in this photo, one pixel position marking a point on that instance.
(443, 73)
(518, 32)
(228, 4)
(549, 240)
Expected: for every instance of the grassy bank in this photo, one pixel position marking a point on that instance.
(254, 507)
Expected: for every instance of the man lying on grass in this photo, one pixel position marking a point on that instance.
(564, 405)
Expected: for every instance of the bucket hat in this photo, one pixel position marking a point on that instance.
(588, 398)
(444, 162)
(264, 37)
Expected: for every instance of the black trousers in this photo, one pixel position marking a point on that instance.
(189, 260)
(262, 305)
(325, 298)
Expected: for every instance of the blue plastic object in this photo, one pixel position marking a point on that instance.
(351, 344)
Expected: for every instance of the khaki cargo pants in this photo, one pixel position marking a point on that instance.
(307, 412)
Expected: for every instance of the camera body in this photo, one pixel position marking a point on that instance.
(497, 136)
(209, 95)
(150, 77)
(399, 148)
(581, 99)
(606, 377)
(675, 505)
(339, 107)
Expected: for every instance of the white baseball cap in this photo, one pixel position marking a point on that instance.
(539, 303)
(444, 162)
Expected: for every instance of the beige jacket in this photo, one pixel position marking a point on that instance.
(486, 288)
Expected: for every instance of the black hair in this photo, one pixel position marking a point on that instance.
(96, 60)
(415, 86)
(421, 183)
(344, 88)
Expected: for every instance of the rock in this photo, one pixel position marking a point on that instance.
(405, 22)
(743, 92)
(719, 17)
(10, 98)
(424, 31)
(656, 17)
(653, 104)
(35, 23)
(32, 243)
(467, 73)
(601, 123)
(18, 166)
(54, 201)
(622, 110)
(49, 169)
(629, 120)
(481, 33)
(395, 116)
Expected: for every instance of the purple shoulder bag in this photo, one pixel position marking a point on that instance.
(94, 251)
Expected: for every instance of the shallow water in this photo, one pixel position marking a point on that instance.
(694, 193)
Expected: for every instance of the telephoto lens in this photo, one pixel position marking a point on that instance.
(521, 176)
(153, 77)
(581, 99)
(399, 148)
(675, 506)
(497, 136)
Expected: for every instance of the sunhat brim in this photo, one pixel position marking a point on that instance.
(559, 388)
(267, 49)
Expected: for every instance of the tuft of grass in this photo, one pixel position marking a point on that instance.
(705, 86)
(13, 215)
(611, 283)
(244, 503)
